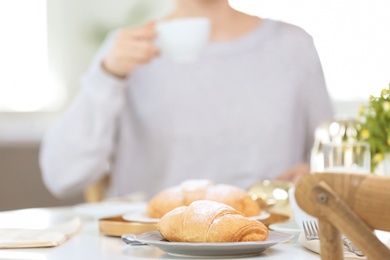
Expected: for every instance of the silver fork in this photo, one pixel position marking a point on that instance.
(311, 233)
(311, 230)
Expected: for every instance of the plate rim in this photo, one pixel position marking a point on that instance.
(145, 219)
(259, 217)
(296, 230)
(106, 209)
(241, 248)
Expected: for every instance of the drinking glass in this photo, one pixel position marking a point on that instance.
(347, 157)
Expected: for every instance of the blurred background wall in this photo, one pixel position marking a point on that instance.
(76, 28)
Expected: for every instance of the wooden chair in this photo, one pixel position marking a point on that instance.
(351, 204)
(96, 191)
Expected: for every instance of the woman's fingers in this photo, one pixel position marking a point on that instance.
(132, 48)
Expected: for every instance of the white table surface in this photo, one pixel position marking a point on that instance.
(88, 243)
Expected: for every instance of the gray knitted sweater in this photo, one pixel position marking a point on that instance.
(244, 112)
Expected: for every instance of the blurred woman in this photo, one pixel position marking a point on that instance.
(246, 110)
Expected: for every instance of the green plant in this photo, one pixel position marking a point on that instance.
(374, 126)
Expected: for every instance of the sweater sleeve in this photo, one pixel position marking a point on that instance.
(75, 151)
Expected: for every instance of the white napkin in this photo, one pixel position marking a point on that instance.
(314, 245)
(25, 238)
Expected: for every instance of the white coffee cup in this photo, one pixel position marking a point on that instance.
(298, 214)
(183, 39)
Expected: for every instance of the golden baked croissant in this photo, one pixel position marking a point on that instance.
(210, 221)
(192, 190)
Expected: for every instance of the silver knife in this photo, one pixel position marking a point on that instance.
(130, 239)
(351, 247)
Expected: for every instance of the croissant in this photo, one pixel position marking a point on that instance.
(192, 190)
(210, 221)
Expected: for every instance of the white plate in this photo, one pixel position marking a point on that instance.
(214, 250)
(108, 209)
(289, 227)
(263, 215)
(141, 216)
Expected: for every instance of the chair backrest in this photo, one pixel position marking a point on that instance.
(351, 204)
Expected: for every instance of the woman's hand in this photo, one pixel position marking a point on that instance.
(295, 172)
(132, 48)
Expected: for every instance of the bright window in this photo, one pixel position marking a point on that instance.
(352, 38)
(25, 84)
